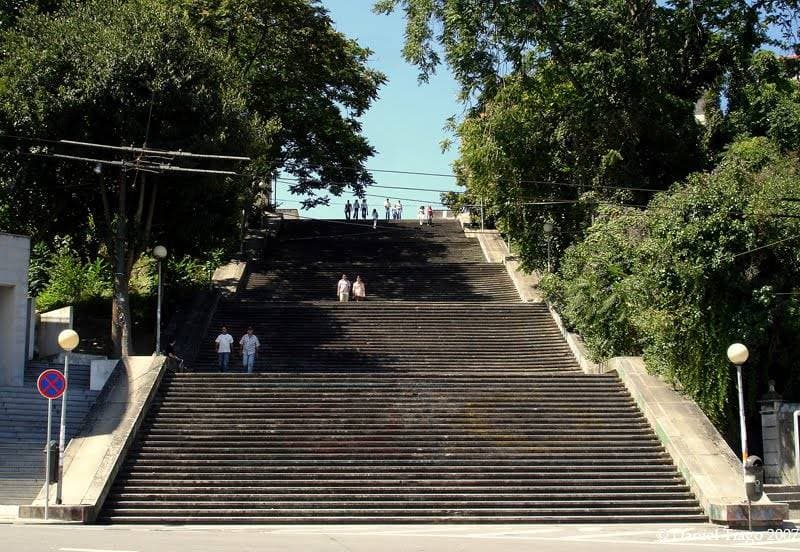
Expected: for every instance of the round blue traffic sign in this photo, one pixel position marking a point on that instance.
(51, 384)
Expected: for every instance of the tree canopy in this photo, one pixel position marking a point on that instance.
(270, 80)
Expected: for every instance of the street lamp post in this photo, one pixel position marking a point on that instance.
(159, 252)
(548, 231)
(737, 354)
(67, 340)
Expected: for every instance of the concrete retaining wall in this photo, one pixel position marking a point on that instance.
(50, 325)
(15, 252)
(229, 277)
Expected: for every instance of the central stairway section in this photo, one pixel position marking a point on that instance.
(442, 398)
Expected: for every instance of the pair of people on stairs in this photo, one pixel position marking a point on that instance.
(344, 287)
(249, 346)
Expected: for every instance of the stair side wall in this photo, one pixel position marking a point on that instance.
(698, 450)
(93, 458)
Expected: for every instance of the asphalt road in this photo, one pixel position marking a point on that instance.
(391, 538)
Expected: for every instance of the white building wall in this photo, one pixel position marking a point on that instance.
(14, 259)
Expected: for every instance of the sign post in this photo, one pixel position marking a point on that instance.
(51, 385)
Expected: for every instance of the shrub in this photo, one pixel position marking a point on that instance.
(70, 281)
(697, 271)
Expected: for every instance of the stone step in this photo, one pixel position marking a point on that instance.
(521, 510)
(595, 481)
(224, 490)
(386, 518)
(209, 503)
(197, 465)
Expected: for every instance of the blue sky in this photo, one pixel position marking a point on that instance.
(405, 124)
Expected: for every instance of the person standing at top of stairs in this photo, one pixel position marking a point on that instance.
(347, 208)
(421, 214)
(375, 218)
(399, 210)
(388, 206)
(343, 289)
(356, 208)
(364, 209)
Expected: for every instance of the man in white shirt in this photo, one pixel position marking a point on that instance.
(343, 289)
(250, 345)
(223, 347)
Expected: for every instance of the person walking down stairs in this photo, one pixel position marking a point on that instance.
(364, 209)
(359, 289)
(430, 215)
(250, 346)
(421, 215)
(343, 289)
(222, 344)
(375, 218)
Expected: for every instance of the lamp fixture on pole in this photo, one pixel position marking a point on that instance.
(160, 253)
(548, 231)
(67, 340)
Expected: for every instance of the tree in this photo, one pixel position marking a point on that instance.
(308, 78)
(174, 76)
(570, 98)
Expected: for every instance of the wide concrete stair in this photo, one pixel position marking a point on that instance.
(24, 430)
(281, 281)
(441, 399)
(440, 446)
(386, 337)
(392, 243)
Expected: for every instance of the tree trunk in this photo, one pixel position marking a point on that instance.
(121, 323)
(121, 327)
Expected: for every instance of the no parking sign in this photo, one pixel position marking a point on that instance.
(51, 384)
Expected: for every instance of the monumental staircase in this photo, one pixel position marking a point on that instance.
(442, 398)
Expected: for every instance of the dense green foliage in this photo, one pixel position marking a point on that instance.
(59, 277)
(703, 267)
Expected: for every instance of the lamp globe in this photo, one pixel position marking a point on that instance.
(68, 340)
(738, 353)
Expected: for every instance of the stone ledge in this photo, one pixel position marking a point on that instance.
(73, 514)
(229, 278)
(578, 347)
(701, 455)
